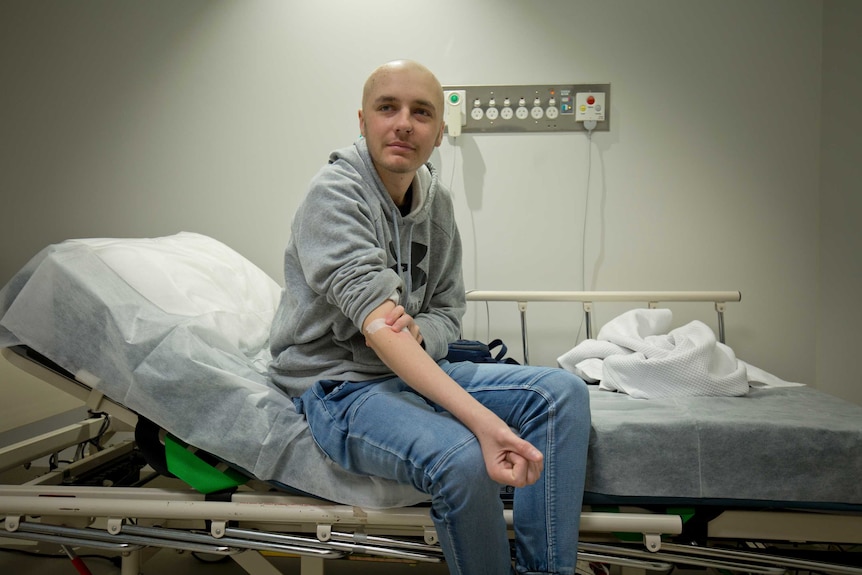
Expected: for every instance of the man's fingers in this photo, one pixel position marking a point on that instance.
(522, 472)
(394, 314)
(399, 320)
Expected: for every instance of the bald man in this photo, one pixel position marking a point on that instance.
(373, 296)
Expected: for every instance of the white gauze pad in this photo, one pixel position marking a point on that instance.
(375, 326)
(378, 324)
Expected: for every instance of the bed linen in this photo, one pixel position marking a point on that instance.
(775, 445)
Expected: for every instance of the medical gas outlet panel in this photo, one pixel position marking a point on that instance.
(528, 108)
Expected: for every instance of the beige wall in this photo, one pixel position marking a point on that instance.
(147, 118)
(839, 311)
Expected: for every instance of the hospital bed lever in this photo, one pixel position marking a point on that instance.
(522, 307)
(588, 318)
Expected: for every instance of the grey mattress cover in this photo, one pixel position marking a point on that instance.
(783, 444)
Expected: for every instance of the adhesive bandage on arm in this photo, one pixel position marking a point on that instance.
(378, 324)
(375, 325)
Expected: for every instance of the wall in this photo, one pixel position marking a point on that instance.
(147, 118)
(840, 314)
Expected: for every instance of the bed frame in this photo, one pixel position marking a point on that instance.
(64, 507)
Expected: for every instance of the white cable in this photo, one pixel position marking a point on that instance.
(454, 160)
(586, 208)
(584, 227)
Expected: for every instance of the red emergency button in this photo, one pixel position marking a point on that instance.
(591, 100)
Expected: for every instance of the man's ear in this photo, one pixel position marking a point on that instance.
(440, 135)
(362, 124)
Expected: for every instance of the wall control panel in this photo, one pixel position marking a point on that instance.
(590, 106)
(527, 108)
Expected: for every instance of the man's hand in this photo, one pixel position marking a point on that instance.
(509, 459)
(399, 320)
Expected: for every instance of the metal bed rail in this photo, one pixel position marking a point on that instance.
(136, 518)
(266, 522)
(266, 508)
(587, 298)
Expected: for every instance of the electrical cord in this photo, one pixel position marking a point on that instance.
(116, 561)
(54, 460)
(586, 209)
(589, 126)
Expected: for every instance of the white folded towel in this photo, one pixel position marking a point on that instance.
(638, 356)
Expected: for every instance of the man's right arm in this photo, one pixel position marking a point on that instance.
(509, 459)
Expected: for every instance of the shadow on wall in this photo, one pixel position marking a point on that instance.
(474, 178)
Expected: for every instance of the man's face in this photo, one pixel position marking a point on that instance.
(401, 118)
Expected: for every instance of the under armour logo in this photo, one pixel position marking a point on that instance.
(417, 255)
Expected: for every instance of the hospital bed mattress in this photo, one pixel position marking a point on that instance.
(176, 330)
(774, 447)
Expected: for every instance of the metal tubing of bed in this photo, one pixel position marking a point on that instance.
(384, 542)
(122, 419)
(269, 511)
(587, 298)
(639, 564)
(96, 537)
(118, 546)
(52, 442)
(153, 503)
(683, 559)
(596, 296)
(236, 536)
(763, 558)
(646, 523)
(262, 542)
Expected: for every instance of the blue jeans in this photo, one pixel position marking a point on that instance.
(385, 429)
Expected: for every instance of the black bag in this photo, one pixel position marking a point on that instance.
(478, 352)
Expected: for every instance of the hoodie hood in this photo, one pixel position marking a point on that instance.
(425, 183)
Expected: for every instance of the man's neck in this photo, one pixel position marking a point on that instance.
(407, 205)
(397, 185)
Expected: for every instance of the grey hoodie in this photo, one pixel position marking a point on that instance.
(349, 251)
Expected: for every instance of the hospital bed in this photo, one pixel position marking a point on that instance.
(762, 484)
